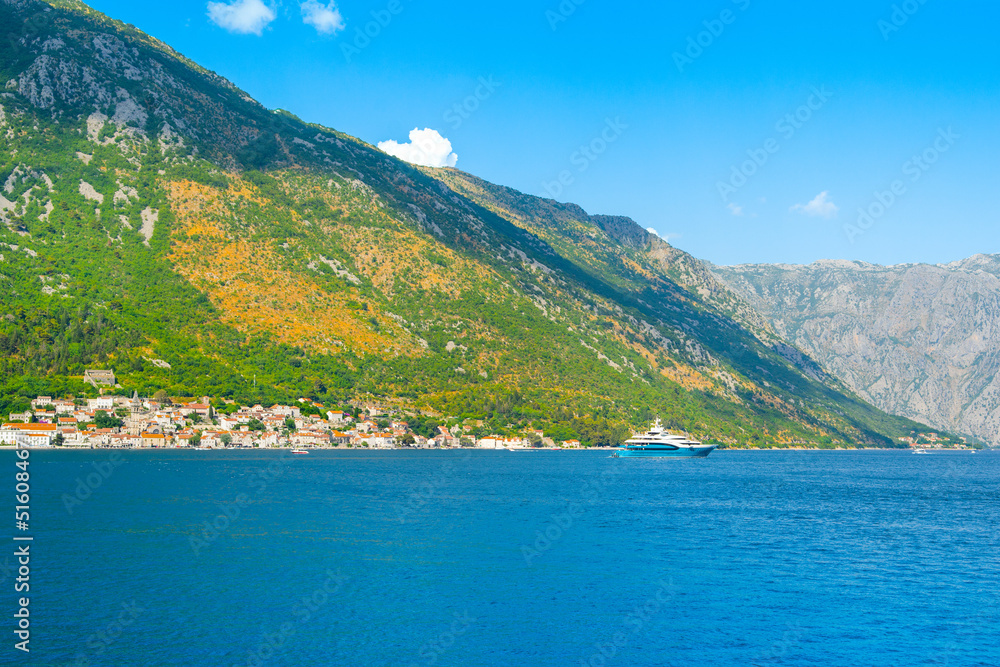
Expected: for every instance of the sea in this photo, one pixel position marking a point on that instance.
(468, 558)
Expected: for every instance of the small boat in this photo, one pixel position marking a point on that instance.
(299, 451)
(919, 451)
(657, 441)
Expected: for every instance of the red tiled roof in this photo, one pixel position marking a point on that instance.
(31, 427)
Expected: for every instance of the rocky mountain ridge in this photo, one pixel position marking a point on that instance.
(918, 340)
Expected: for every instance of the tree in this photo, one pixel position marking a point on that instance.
(408, 439)
(226, 439)
(310, 409)
(290, 424)
(161, 397)
(425, 427)
(255, 425)
(58, 441)
(196, 439)
(103, 420)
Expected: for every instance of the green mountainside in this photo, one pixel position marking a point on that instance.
(156, 220)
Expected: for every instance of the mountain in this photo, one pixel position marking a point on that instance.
(157, 220)
(917, 340)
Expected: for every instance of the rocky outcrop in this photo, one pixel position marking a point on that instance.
(143, 85)
(921, 341)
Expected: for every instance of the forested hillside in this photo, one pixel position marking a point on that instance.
(156, 220)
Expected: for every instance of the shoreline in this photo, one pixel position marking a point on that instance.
(4, 447)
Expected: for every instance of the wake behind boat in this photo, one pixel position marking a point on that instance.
(657, 441)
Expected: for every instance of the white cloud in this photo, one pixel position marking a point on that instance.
(665, 237)
(426, 148)
(326, 18)
(736, 209)
(820, 207)
(245, 17)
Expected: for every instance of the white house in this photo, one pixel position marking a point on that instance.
(41, 402)
(379, 440)
(285, 411)
(74, 438)
(105, 403)
(267, 439)
(310, 438)
(120, 440)
(230, 423)
(445, 440)
(28, 435)
(200, 409)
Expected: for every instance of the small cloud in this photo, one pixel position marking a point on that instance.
(736, 210)
(244, 17)
(427, 148)
(820, 207)
(326, 18)
(652, 231)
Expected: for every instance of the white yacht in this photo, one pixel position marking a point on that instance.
(657, 441)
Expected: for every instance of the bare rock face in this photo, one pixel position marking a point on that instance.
(916, 340)
(141, 84)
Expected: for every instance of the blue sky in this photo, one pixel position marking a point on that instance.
(664, 119)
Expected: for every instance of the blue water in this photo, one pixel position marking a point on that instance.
(441, 558)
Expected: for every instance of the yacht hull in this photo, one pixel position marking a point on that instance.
(684, 452)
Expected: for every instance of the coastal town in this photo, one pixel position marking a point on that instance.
(114, 421)
(120, 422)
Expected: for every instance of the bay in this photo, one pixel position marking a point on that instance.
(504, 558)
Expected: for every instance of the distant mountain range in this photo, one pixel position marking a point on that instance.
(156, 220)
(917, 340)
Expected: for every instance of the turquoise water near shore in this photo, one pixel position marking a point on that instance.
(500, 558)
